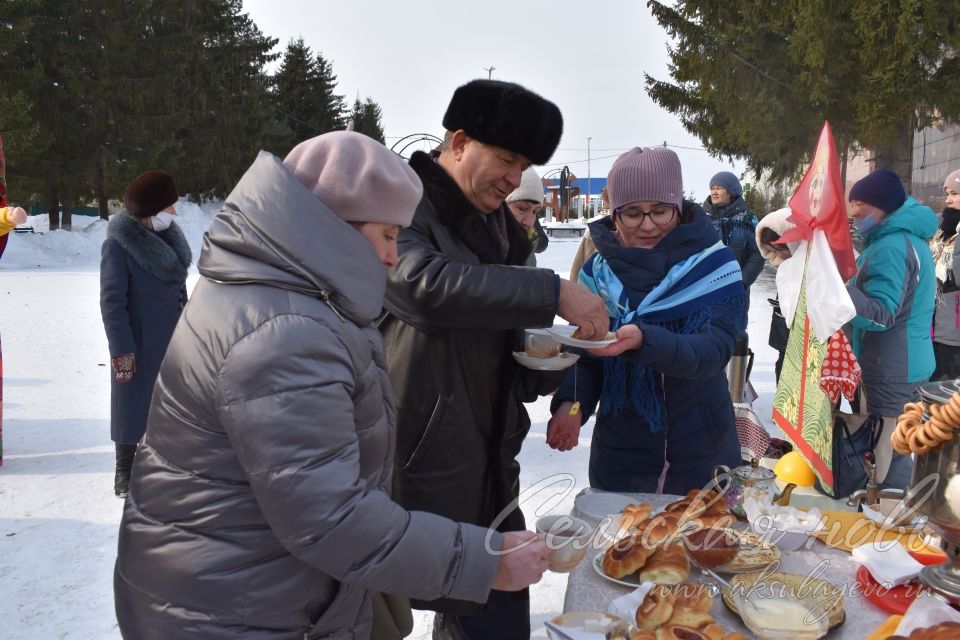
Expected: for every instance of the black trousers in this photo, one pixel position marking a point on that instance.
(948, 361)
(507, 618)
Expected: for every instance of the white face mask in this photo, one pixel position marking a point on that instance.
(162, 221)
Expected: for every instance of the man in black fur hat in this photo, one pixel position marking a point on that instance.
(457, 303)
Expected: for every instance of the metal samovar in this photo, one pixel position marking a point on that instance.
(932, 494)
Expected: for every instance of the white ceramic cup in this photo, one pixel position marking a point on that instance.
(568, 539)
(540, 344)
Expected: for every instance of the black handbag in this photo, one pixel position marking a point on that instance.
(855, 434)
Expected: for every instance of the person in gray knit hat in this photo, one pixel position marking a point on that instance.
(260, 501)
(523, 204)
(675, 297)
(456, 307)
(735, 224)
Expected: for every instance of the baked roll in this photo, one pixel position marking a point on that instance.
(679, 632)
(634, 514)
(656, 609)
(626, 556)
(667, 565)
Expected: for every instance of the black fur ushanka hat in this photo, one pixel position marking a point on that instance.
(506, 115)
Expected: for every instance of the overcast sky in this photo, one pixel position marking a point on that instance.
(588, 58)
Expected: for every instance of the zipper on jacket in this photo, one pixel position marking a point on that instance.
(325, 296)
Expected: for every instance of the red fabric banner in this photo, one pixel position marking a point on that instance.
(819, 203)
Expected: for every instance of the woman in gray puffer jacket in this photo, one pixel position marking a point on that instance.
(259, 503)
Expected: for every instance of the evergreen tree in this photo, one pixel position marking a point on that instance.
(116, 87)
(367, 119)
(297, 93)
(224, 97)
(756, 79)
(333, 109)
(305, 94)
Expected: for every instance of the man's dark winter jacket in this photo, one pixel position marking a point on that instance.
(737, 229)
(455, 311)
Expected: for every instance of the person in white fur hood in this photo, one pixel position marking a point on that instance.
(769, 229)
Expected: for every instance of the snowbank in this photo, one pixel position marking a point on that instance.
(80, 248)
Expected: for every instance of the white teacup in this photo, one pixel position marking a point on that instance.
(538, 343)
(568, 539)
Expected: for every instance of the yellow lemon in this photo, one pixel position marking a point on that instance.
(793, 468)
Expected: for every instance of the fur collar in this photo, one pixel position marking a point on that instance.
(165, 255)
(454, 210)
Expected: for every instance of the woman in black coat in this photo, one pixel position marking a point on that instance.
(143, 273)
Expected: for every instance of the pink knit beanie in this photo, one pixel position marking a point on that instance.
(357, 178)
(645, 174)
(952, 181)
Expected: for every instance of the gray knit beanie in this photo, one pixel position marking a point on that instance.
(952, 181)
(645, 174)
(530, 188)
(729, 182)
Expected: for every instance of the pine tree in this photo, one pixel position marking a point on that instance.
(756, 79)
(297, 87)
(306, 102)
(367, 118)
(333, 109)
(116, 87)
(53, 64)
(228, 103)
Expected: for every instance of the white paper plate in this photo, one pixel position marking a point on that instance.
(557, 363)
(564, 334)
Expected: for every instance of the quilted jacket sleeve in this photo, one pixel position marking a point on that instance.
(286, 402)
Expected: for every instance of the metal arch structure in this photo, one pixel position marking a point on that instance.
(400, 146)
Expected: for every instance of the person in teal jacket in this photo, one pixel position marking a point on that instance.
(894, 293)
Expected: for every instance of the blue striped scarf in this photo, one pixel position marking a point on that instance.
(693, 292)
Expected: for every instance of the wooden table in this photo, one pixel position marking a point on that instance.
(588, 591)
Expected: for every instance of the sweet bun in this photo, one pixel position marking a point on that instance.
(942, 631)
(656, 608)
(714, 631)
(634, 514)
(626, 556)
(667, 565)
(693, 597)
(679, 632)
(659, 529)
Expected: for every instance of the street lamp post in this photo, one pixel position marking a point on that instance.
(589, 191)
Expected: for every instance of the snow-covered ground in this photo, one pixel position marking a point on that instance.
(58, 515)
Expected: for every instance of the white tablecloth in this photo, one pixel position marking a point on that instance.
(588, 591)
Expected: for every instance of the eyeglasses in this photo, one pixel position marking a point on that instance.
(633, 217)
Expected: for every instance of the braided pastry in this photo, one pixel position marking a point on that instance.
(656, 608)
(921, 429)
(942, 631)
(679, 632)
(667, 565)
(693, 596)
(634, 514)
(626, 556)
(700, 508)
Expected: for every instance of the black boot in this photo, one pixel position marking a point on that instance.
(121, 478)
